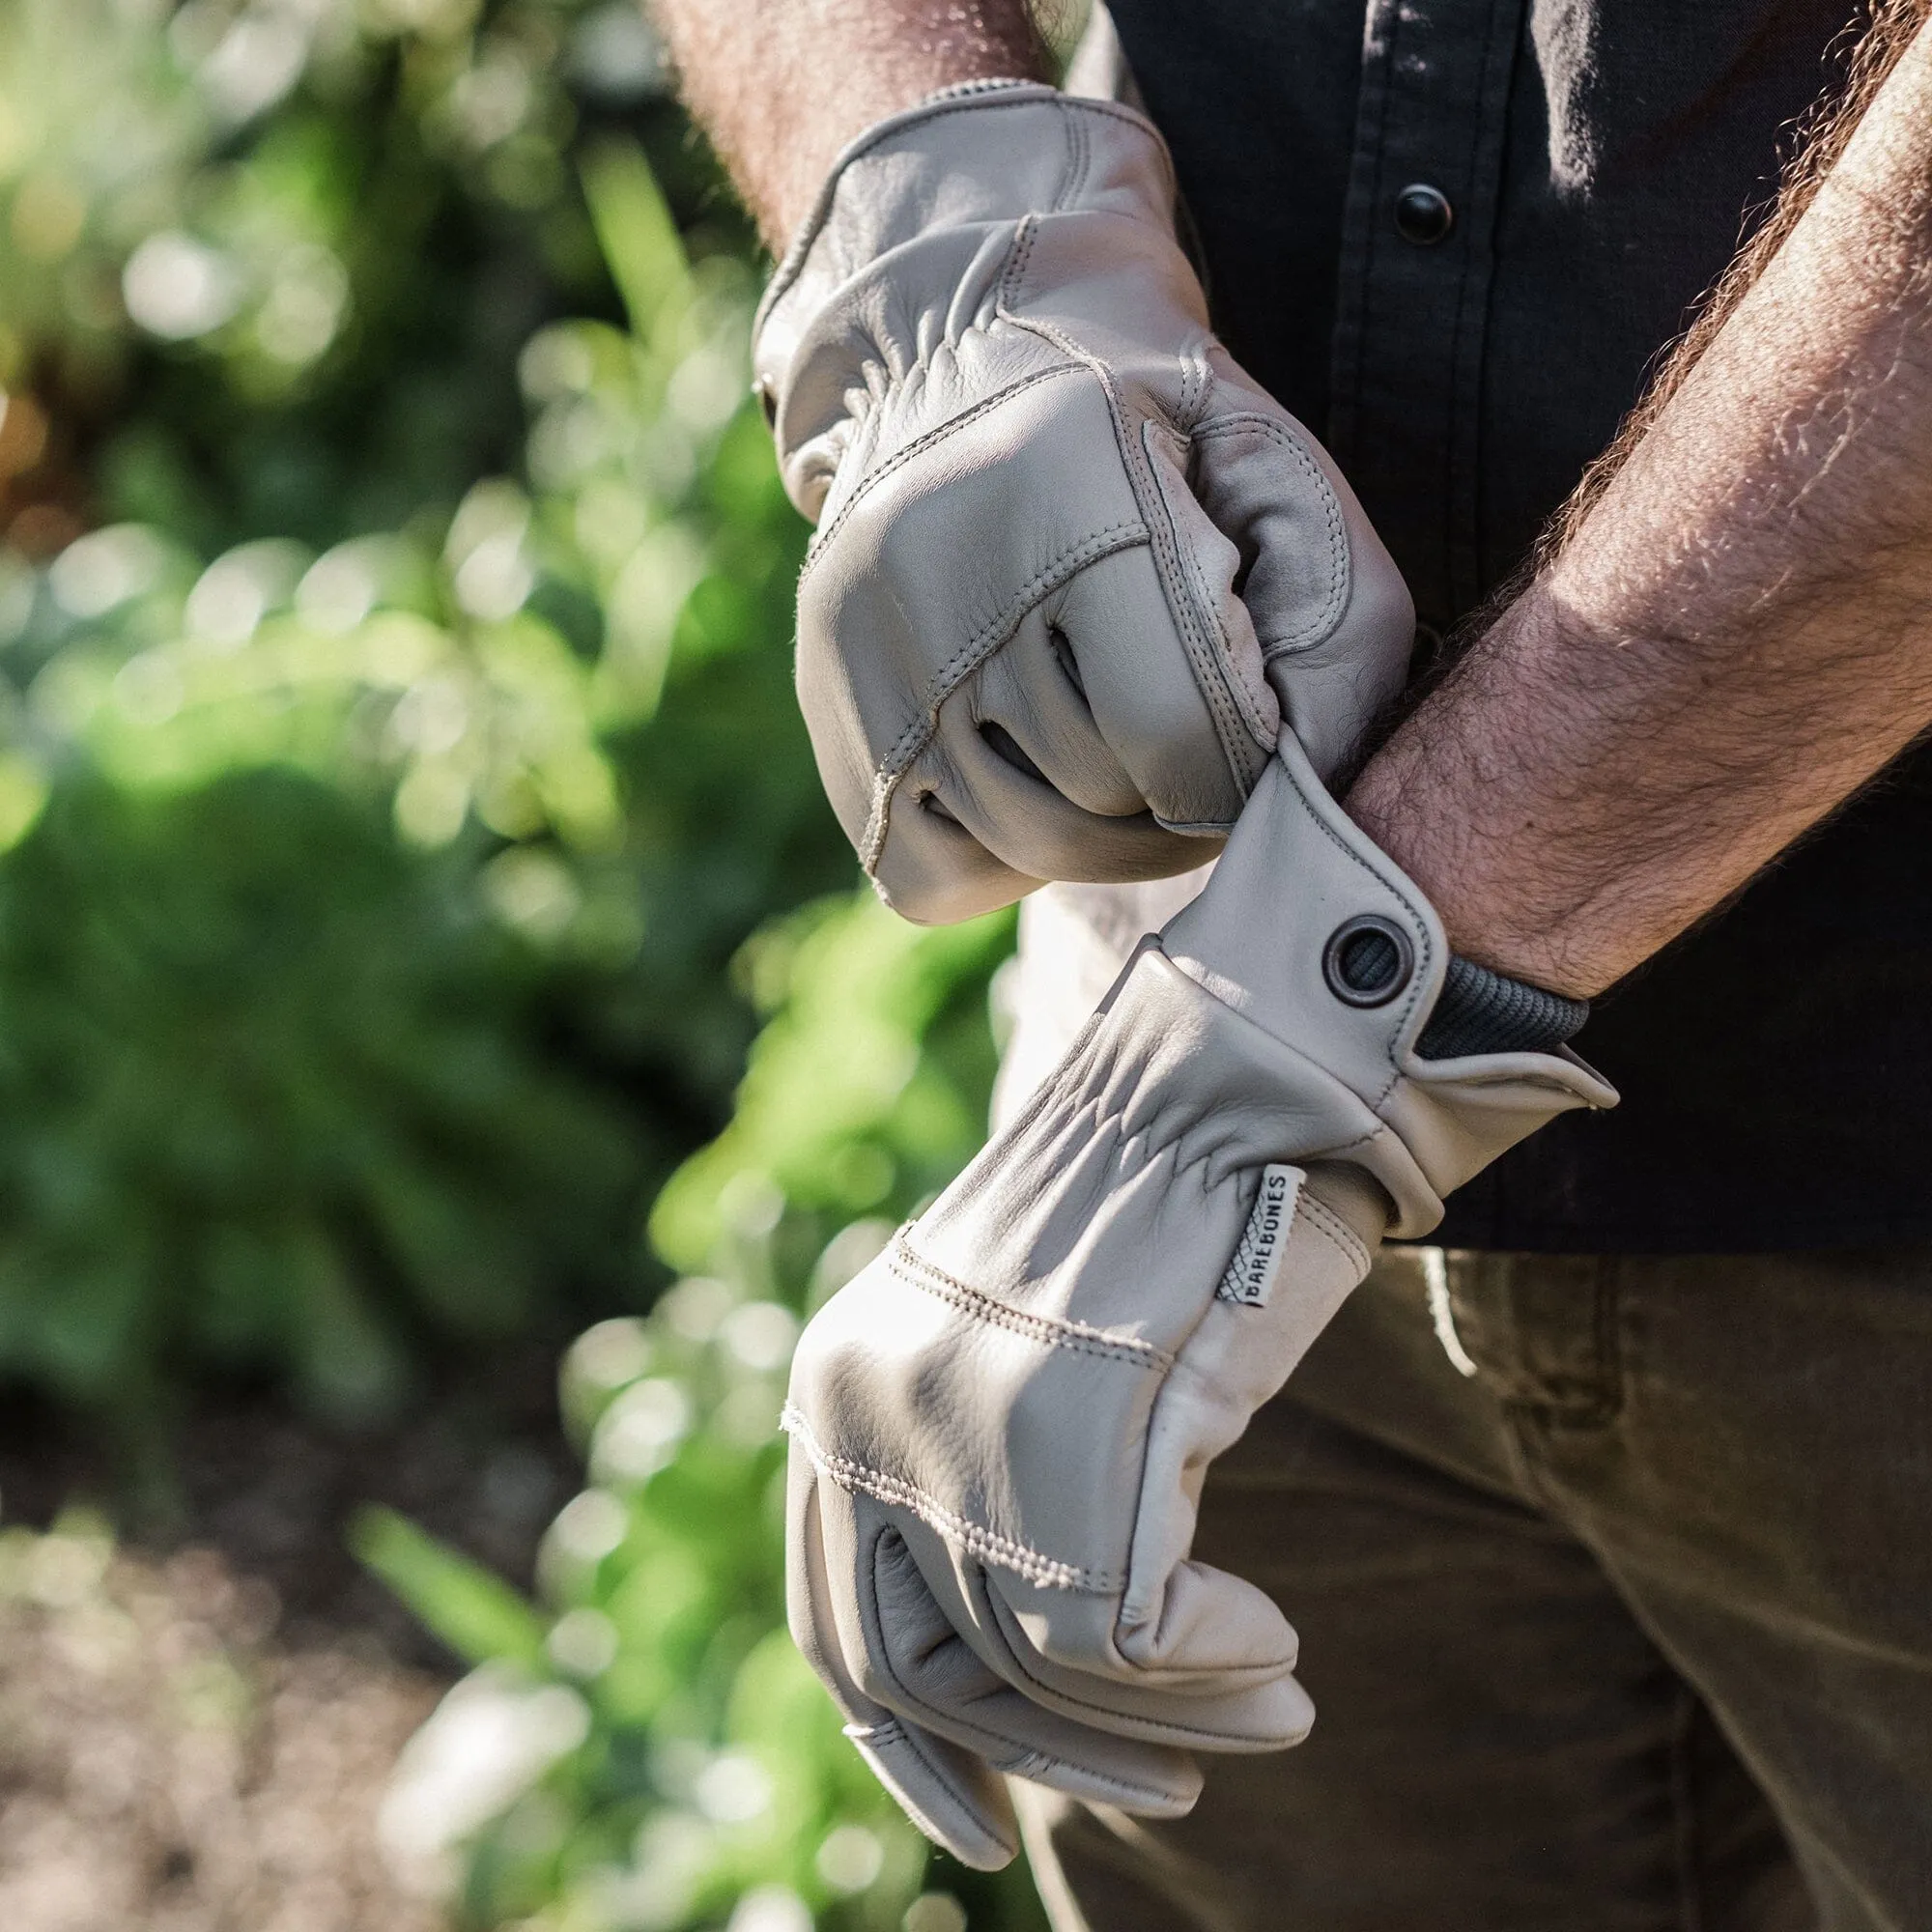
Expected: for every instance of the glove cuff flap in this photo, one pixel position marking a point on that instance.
(986, 154)
(1313, 933)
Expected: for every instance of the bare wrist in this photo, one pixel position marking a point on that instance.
(780, 88)
(1461, 800)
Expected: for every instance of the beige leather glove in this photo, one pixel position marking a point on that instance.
(1001, 1428)
(1073, 567)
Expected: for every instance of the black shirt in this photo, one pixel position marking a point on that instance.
(1591, 167)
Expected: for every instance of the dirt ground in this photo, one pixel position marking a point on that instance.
(198, 1715)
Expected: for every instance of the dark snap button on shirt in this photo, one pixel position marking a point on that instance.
(1423, 215)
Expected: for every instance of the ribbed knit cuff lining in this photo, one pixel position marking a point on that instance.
(1481, 1011)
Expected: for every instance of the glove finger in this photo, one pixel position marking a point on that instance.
(970, 829)
(1023, 819)
(953, 1797)
(1002, 1618)
(1083, 750)
(1192, 749)
(1321, 1230)
(1331, 614)
(923, 1668)
(1029, 704)
(1233, 1691)
(930, 868)
(902, 1655)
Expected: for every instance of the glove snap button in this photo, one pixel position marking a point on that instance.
(1367, 961)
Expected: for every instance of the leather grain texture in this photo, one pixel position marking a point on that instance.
(1073, 569)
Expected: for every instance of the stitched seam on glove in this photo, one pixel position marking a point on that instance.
(1007, 1753)
(1079, 158)
(917, 447)
(1420, 976)
(1138, 1148)
(1186, 1163)
(1021, 1760)
(1329, 1224)
(1013, 275)
(1209, 663)
(918, 734)
(1208, 672)
(988, 1544)
(1054, 1331)
(891, 1731)
(1053, 1698)
(1325, 622)
(1207, 613)
(1196, 379)
(963, 90)
(1167, 549)
(996, 1611)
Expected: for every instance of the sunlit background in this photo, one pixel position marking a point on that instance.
(442, 1050)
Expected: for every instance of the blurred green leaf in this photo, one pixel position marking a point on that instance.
(474, 1612)
(638, 236)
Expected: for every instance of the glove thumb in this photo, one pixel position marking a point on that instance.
(1331, 615)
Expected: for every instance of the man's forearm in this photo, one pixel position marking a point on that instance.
(1734, 637)
(781, 85)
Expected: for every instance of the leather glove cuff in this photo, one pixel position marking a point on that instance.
(929, 169)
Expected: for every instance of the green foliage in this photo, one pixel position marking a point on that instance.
(405, 824)
(866, 1090)
(470, 1608)
(269, 1096)
(266, 266)
(704, 1774)
(389, 774)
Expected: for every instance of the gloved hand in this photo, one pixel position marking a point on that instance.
(1001, 1428)
(1073, 568)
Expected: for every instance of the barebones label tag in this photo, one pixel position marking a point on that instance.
(1250, 1276)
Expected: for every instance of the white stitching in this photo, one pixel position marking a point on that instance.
(1210, 676)
(1052, 1330)
(1184, 1734)
(988, 1544)
(785, 276)
(968, 658)
(1207, 607)
(1188, 573)
(919, 446)
(1323, 625)
(1424, 952)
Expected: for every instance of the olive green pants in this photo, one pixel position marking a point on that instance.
(1613, 1578)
